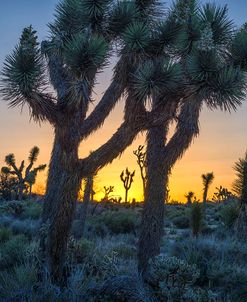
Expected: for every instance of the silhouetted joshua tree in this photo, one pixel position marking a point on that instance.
(222, 194)
(189, 197)
(127, 178)
(212, 58)
(141, 161)
(26, 177)
(207, 180)
(83, 37)
(107, 192)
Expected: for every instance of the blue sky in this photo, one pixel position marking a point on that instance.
(223, 137)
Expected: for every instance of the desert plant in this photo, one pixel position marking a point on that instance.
(221, 194)
(5, 234)
(212, 61)
(196, 217)
(26, 178)
(140, 154)
(127, 178)
(107, 192)
(207, 180)
(229, 214)
(189, 197)
(82, 39)
(8, 186)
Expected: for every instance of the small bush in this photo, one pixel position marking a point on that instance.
(196, 218)
(181, 222)
(5, 234)
(27, 227)
(229, 214)
(80, 249)
(125, 251)
(32, 211)
(15, 208)
(13, 251)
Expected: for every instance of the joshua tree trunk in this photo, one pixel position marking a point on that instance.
(161, 157)
(155, 193)
(205, 194)
(63, 186)
(86, 200)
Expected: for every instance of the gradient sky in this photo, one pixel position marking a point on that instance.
(223, 137)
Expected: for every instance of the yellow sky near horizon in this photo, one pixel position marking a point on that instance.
(221, 142)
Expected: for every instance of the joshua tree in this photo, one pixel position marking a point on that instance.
(82, 38)
(127, 178)
(189, 197)
(207, 180)
(212, 59)
(26, 177)
(107, 192)
(141, 161)
(222, 194)
(240, 188)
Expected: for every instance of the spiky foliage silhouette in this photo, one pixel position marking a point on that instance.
(222, 194)
(140, 154)
(207, 180)
(8, 186)
(189, 197)
(127, 178)
(196, 213)
(26, 177)
(205, 63)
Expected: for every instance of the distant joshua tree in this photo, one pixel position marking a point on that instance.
(127, 178)
(141, 161)
(26, 178)
(107, 192)
(189, 197)
(222, 194)
(207, 180)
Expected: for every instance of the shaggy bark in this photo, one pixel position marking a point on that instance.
(155, 192)
(86, 201)
(160, 160)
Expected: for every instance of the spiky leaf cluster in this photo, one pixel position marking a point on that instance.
(156, 78)
(23, 71)
(240, 169)
(85, 55)
(239, 49)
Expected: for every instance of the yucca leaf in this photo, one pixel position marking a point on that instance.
(33, 154)
(226, 90)
(136, 37)
(217, 18)
(10, 159)
(160, 77)
(239, 49)
(123, 14)
(84, 54)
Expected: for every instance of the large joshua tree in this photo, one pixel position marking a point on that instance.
(212, 57)
(207, 180)
(84, 35)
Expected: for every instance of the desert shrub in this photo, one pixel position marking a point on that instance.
(15, 208)
(76, 230)
(120, 222)
(124, 250)
(13, 251)
(181, 222)
(5, 234)
(5, 220)
(80, 249)
(174, 280)
(27, 227)
(32, 211)
(196, 217)
(229, 214)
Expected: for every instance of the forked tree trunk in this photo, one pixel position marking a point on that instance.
(86, 200)
(152, 225)
(63, 186)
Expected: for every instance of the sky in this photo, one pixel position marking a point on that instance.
(222, 140)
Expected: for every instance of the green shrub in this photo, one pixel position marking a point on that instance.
(5, 234)
(125, 251)
(229, 214)
(181, 222)
(196, 218)
(120, 222)
(32, 211)
(80, 249)
(27, 227)
(15, 208)
(13, 251)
